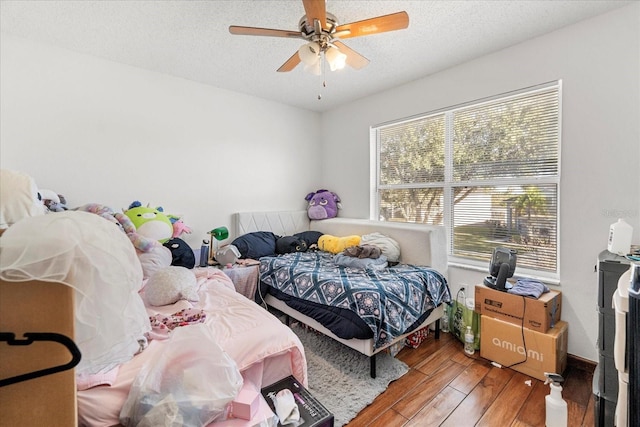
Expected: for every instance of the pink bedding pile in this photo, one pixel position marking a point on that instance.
(264, 349)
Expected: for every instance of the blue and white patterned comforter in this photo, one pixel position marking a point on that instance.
(389, 300)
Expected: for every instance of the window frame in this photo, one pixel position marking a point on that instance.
(449, 184)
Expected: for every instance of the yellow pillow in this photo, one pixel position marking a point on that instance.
(335, 244)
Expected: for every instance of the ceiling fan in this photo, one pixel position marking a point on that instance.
(323, 33)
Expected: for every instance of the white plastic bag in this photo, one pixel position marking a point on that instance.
(189, 383)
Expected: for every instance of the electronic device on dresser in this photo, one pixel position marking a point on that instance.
(501, 267)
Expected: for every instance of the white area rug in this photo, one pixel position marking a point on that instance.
(339, 376)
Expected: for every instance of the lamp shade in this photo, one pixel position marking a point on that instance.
(220, 233)
(335, 58)
(315, 68)
(309, 53)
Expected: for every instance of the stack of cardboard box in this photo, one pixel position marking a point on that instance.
(523, 333)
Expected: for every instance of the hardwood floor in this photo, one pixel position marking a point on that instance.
(444, 387)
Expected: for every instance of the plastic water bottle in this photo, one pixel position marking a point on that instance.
(445, 319)
(469, 348)
(556, 414)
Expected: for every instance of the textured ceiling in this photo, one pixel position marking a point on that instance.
(190, 39)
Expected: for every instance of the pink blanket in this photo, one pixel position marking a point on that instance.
(263, 348)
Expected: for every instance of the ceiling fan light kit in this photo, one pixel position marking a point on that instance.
(321, 31)
(311, 56)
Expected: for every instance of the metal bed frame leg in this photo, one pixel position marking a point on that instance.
(372, 359)
(372, 363)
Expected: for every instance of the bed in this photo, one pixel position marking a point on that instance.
(119, 333)
(420, 246)
(264, 349)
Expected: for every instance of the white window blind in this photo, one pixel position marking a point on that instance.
(487, 170)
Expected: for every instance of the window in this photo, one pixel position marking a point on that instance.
(488, 170)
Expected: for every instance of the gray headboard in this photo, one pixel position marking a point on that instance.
(284, 223)
(420, 244)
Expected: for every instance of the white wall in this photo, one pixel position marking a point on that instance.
(598, 62)
(98, 131)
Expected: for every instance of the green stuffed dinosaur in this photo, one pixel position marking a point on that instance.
(150, 222)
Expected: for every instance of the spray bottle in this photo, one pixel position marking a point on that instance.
(556, 407)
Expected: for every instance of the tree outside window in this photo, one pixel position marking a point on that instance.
(488, 171)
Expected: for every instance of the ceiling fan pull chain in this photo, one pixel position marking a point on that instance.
(324, 78)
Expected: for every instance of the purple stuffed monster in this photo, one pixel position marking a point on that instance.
(323, 204)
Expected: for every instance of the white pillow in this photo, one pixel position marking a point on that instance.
(390, 248)
(171, 284)
(19, 195)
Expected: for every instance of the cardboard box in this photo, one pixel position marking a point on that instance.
(39, 307)
(312, 412)
(537, 314)
(502, 342)
(246, 402)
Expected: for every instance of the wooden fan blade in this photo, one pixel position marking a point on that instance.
(354, 59)
(381, 24)
(290, 64)
(255, 31)
(316, 9)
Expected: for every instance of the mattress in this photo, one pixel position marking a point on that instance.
(382, 304)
